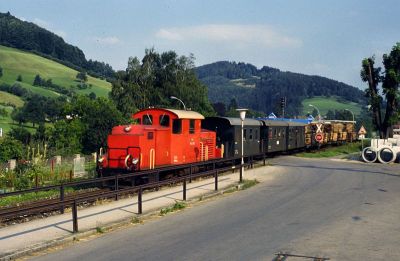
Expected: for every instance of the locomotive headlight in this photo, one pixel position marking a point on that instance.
(135, 161)
(100, 160)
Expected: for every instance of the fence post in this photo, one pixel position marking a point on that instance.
(75, 217)
(184, 189)
(190, 173)
(140, 200)
(36, 180)
(116, 187)
(216, 180)
(233, 166)
(158, 180)
(62, 198)
(70, 176)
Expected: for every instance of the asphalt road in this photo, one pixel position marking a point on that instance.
(340, 210)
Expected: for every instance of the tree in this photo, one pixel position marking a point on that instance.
(18, 116)
(81, 76)
(66, 136)
(3, 112)
(92, 96)
(1, 72)
(10, 149)
(21, 134)
(330, 115)
(38, 81)
(219, 108)
(390, 80)
(19, 78)
(97, 117)
(157, 77)
(34, 109)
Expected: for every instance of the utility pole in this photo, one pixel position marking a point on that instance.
(283, 106)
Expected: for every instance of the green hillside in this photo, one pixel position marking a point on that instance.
(324, 104)
(262, 89)
(6, 97)
(15, 62)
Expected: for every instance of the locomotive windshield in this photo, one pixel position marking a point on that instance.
(147, 119)
(164, 120)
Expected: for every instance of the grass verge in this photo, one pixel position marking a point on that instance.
(333, 151)
(29, 197)
(177, 206)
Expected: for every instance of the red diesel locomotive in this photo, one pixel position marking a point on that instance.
(160, 137)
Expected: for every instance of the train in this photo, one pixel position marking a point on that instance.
(165, 137)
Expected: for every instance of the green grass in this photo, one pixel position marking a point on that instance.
(30, 197)
(329, 103)
(177, 206)
(10, 98)
(15, 62)
(333, 151)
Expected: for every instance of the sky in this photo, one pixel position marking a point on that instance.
(315, 37)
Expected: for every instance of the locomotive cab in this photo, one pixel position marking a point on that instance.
(161, 137)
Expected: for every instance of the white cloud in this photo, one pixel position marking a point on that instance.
(239, 35)
(108, 40)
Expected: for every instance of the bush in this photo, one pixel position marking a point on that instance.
(10, 149)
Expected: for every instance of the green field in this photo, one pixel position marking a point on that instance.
(324, 104)
(6, 97)
(15, 62)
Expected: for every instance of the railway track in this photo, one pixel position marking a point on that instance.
(116, 188)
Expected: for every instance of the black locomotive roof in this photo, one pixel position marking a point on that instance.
(275, 123)
(237, 121)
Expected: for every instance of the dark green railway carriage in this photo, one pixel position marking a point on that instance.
(273, 136)
(229, 135)
(295, 135)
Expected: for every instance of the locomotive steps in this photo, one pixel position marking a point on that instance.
(37, 235)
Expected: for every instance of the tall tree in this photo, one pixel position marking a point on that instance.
(371, 74)
(390, 86)
(390, 80)
(157, 77)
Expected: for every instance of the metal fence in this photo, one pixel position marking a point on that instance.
(62, 202)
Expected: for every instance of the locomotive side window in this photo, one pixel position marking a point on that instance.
(177, 126)
(191, 126)
(150, 135)
(147, 119)
(250, 134)
(164, 120)
(244, 134)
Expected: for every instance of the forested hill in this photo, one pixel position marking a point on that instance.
(28, 36)
(262, 89)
